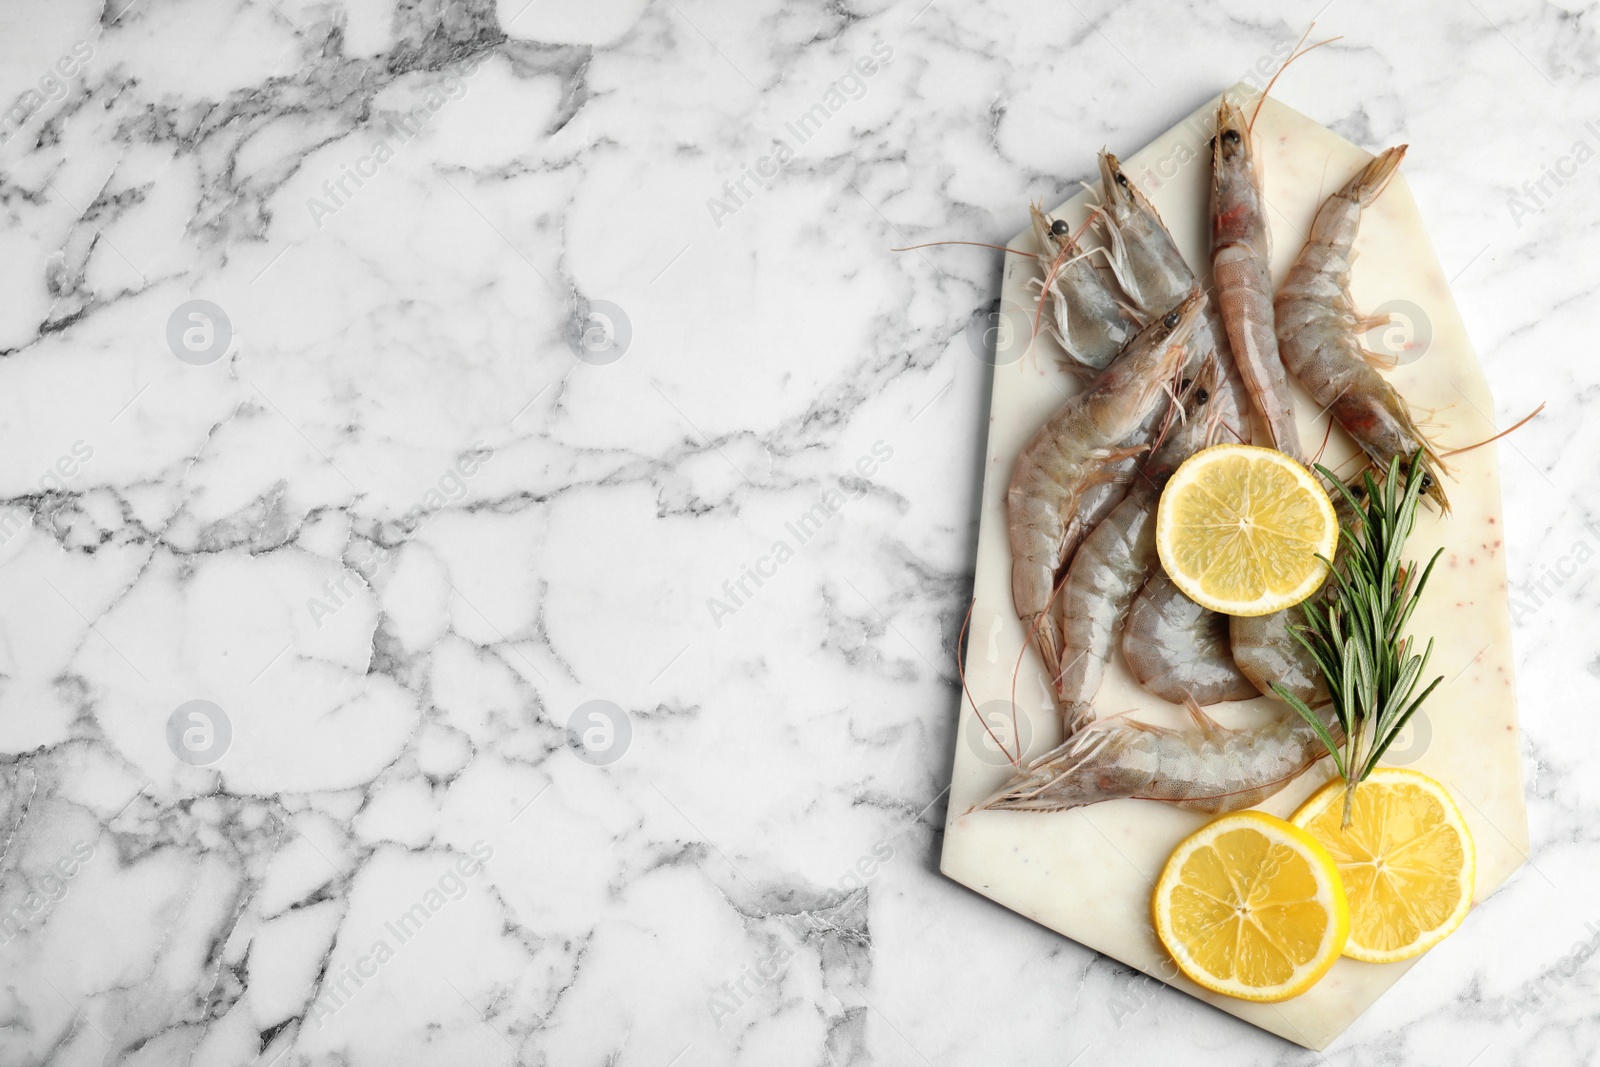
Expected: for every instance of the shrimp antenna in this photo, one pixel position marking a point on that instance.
(1366, 461)
(1081, 230)
(1033, 632)
(1327, 435)
(1294, 55)
(1351, 483)
(1215, 422)
(1215, 419)
(961, 670)
(975, 244)
(1519, 425)
(1174, 413)
(1226, 425)
(1176, 407)
(1055, 682)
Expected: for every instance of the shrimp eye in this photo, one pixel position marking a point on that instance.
(1122, 179)
(1202, 396)
(1171, 321)
(1231, 136)
(1185, 383)
(1427, 481)
(1059, 227)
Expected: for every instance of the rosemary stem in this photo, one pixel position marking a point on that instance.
(1352, 775)
(1349, 802)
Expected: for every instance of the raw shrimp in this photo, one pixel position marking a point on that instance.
(1212, 769)
(1178, 649)
(1092, 326)
(1066, 456)
(1089, 321)
(1318, 329)
(1119, 554)
(1240, 251)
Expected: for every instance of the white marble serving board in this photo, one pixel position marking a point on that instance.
(1088, 873)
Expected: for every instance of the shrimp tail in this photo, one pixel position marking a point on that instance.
(1055, 781)
(1373, 179)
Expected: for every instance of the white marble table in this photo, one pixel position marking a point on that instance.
(581, 694)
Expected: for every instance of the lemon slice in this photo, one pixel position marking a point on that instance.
(1239, 529)
(1406, 860)
(1251, 906)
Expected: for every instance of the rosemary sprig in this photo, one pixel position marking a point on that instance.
(1355, 637)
